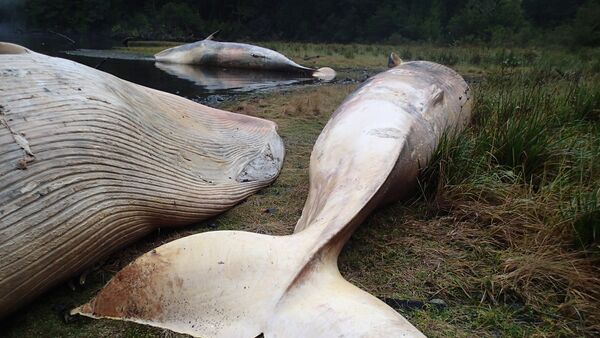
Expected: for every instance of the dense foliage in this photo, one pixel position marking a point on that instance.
(566, 22)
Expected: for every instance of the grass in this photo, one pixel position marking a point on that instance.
(505, 230)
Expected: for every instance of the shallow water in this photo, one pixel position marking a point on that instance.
(186, 80)
(207, 85)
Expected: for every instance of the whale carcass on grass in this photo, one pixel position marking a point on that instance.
(240, 284)
(212, 53)
(90, 163)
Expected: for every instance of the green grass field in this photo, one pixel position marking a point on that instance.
(506, 227)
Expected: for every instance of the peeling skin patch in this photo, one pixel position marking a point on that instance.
(29, 187)
(20, 140)
(386, 132)
(23, 143)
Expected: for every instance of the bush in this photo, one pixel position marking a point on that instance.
(586, 208)
(586, 27)
(180, 18)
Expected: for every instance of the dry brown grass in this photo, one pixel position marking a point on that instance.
(537, 262)
(474, 248)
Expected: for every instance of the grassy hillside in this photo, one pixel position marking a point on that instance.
(503, 236)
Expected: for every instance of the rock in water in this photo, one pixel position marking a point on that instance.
(90, 163)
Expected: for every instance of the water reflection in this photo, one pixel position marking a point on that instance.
(239, 80)
(109, 54)
(188, 81)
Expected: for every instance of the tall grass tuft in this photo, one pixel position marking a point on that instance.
(526, 175)
(586, 212)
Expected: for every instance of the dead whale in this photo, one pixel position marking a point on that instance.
(214, 79)
(90, 163)
(237, 55)
(240, 284)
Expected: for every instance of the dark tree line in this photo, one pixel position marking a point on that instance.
(572, 22)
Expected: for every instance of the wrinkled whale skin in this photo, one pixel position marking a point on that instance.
(89, 163)
(240, 284)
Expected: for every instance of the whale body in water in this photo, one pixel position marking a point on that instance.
(212, 53)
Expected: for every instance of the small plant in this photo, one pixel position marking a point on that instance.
(586, 101)
(586, 210)
(523, 143)
(475, 59)
(348, 53)
(405, 54)
(445, 58)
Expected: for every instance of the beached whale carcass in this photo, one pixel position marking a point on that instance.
(240, 284)
(212, 53)
(90, 163)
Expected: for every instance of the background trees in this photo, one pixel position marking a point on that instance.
(573, 22)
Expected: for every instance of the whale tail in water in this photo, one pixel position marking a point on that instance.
(324, 73)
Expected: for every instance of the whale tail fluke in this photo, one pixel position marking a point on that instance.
(323, 304)
(394, 60)
(241, 284)
(216, 284)
(324, 73)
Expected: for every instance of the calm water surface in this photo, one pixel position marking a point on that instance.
(207, 85)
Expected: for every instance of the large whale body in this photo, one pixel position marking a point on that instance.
(237, 55)
(90, 163)
(240, 284)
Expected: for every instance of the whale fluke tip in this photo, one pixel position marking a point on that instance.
(324, 73)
